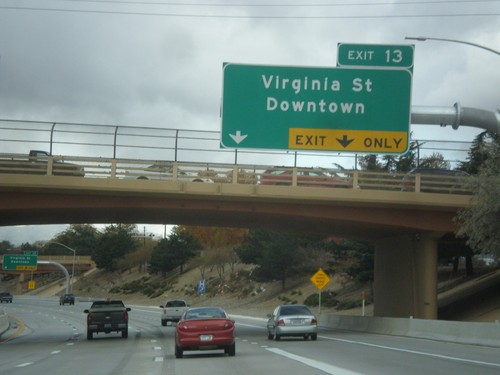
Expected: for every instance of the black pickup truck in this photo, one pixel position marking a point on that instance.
(107, 316)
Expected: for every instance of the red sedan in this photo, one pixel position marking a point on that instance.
(205, 328)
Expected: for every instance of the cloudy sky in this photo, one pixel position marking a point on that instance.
(159, 63)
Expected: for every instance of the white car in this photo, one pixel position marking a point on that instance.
(165, 171)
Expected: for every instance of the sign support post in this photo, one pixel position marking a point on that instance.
(320, 279)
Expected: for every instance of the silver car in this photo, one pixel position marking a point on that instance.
(165, 171)
(292, 320)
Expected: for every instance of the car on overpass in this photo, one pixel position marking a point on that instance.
(312, 177)
(165, 171)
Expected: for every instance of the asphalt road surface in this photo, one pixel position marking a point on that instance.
(46, 338)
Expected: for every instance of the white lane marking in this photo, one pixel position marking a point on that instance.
(25, 364)
(158, 359)
(156, 347)
(442, 356)
(55, 352)
(322, 366)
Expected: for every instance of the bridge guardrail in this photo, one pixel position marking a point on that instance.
(252, 174)
(187, 145)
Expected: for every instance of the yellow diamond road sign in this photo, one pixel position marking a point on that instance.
(320, 279)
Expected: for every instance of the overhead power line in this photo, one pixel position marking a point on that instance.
(182, 15)
(281, 5)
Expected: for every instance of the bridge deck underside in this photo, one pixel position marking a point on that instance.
(344, 212)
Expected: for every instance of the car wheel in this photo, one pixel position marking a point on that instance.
(178, 351)
(90, 335)
(231, 350)
(270, 336)
(277, 337)
(306, 337)
(164, 323)
(125, 333)
(314, 336)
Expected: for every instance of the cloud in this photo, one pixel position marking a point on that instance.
(140, 64)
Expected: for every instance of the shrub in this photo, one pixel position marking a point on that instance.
(327, 299)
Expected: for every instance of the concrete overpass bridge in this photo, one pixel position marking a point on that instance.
(404, 226)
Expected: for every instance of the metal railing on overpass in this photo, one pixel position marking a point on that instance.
(178, 145)
(101, 168)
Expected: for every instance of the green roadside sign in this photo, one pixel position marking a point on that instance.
(375, 55)
(316, 108)
(18, 262)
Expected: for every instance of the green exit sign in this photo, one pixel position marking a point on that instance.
(316, 108)
(17, 262)
(381, 55)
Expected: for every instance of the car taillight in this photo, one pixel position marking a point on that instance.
(89, 318)
(229, 324)
(182, 327)
(125, 316)
(314, 322)
(281, 322)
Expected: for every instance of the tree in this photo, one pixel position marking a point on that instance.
(362, 256)
(480, 222)
(5, 246)
(81, 237)
(114, 243)
(435, 160)
(174, 251)
(478, 153)
(277, 254)
(218, 244)
(162, 260)
(390, 163)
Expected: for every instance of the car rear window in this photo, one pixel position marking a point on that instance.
(294, 310)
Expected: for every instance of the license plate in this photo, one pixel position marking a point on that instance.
(297, 322)
(206, 338)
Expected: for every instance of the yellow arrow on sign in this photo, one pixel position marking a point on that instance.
(394, 142)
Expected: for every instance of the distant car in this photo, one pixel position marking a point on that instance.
(172, 311)
(292, 320)
(5, 297)
(305, 177)
(8, 277)
(437, 180)
(67, 298)
(164, 171)
(205, 328)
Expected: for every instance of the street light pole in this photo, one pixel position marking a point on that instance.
(424, 38)
(73, 267)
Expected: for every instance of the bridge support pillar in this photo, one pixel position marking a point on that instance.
(406, 276)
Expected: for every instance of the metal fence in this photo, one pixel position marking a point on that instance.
(177, 145)
(205, 172)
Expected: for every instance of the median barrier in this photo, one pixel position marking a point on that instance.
(4, 321)
(459, 332)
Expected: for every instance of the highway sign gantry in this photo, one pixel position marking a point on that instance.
(311, 108)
